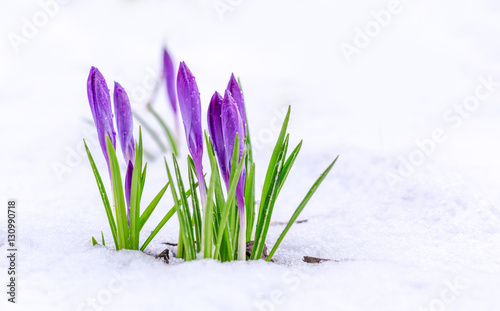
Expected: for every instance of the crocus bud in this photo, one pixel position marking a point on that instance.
(190, 106)
(125, 126)
(235, 90)
(232, 124)
(169, 75)
(215, 131)
(100, 105)
(124, 122)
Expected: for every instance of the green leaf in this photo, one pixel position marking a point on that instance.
(185, 207)
(183, 220)
(226, 246)
(233, 225)
(135, 195)
(230, 196)
(102, 236)
(170, 137)
(143, 178)
(250, 201)
(151, 207)
(104, 197)
(119, 199)
(272, 172)
(165, 219)
(94, 242)
(274, 156)
(196, 210)
(300, 208)
(288, 166)
(266, 208)
(151, 132)
(180, 246)
(209, 212)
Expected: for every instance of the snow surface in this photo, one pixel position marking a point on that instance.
(430, 241)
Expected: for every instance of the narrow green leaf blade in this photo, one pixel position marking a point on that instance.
(230, 197)
(274, 156)
(196, 211)
(120, 205)
(250, 201)
(268, 205)
(170, 137)
(301, 207)
(185, 207)
(143, 178)
(209, 213)
(135, 196)
(226, 245)
(151, 207)
(151, 132)
(104, 197)
(165, 219)
(288, 166)
(181, 215)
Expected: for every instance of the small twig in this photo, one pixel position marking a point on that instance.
(281, 223)
(250, 248)
(310, 259)
(164, 255)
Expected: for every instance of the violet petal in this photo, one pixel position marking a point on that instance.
(190, 106)
(100, 105)
(169, 75)
(215, 131)
(124, 122)
(235, 90)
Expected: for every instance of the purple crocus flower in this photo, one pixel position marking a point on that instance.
(235, 90)
(100, 105)
(125, 126)
(215, 131)
(169, 75)
(232, 124)
(224, 122)
(190, 106)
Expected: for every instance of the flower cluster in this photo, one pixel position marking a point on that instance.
(227, 127)
(127, 225)
(226, 123)
(100, 105)
(225, 223)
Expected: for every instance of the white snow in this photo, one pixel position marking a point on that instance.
(431, 241)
